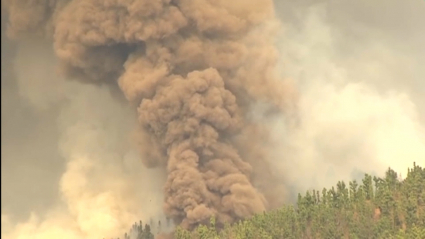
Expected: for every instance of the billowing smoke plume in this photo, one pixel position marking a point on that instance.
(360, 107)
(194, 68)
(102, 184)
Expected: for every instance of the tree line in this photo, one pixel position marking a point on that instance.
(376, 207)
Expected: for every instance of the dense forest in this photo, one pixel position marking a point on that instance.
(385, 207)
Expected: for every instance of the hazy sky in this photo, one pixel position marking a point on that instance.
(29, 146)
(359, 68)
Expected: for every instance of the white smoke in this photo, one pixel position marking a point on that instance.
(357, 113)
(105, 187)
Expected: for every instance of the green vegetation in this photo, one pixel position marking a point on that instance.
(375, 208)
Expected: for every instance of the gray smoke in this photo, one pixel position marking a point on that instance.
(358, 67)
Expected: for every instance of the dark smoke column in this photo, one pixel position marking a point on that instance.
(206, 176)
(194, 67)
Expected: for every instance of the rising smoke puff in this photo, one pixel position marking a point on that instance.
(205, 176)
(195, 68)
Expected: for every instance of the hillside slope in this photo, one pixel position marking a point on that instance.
(374, 208)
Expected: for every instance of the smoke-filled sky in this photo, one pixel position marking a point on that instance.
(359, 68)
(69, 167)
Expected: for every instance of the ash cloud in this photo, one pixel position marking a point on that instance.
(218, 129)
(193, 69)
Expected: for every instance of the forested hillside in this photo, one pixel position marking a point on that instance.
(374, 208)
